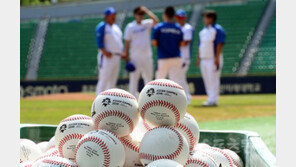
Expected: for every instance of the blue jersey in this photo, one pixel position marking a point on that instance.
(168, 37)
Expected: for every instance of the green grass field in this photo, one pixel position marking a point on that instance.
(235, 112)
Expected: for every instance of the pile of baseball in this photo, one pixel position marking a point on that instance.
(153, 131)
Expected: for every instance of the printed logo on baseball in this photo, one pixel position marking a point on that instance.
(164, 143)
(162, 102)
(115, 110)
(164, 162)
(189, 128)
(69, 132)
(100, 148)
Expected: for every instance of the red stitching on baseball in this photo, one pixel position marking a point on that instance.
(196, 161)
(165, 84)
(146, 125)
(118, 94)
(129, 144)
(169, 156)
(101, 143)
(192, 139)
(62, 164)
(115, 113)
(67, 138)
(53, 154)
(28, 165)
(228, 158)
(161, 103)
(76, 118)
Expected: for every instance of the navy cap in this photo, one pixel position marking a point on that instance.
(181, 13)
(109, 11)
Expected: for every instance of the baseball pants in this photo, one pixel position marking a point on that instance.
(170, 67)
(108, 72)
(144, 68)
(184, 83)
(211, 77)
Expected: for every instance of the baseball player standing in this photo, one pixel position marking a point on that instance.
(212, 39)
(168, 37)
(110, 47)
(138, 46)
(185, 49)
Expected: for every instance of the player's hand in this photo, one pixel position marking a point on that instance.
(108, 54)
(143, 8)
(124, 56)
(198, 62)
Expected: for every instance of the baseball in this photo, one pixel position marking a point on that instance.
(162, 102)
(26, 164)
(220, 157)
(164, 162)
(69, 132)
(100, 148)
(54, 162)
(53, 152)
(200, 160)
(43, 146)
(29, 151)
(235, 158)
(50, 144)
(164, 143)
(131, 148)
(115, 110)
(140, 129)
(189, 128)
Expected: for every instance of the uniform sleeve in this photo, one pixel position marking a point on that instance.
(100, 33)
(127, 33)
(156, 33)
(187, 35)
(220, 36)
(148, 23)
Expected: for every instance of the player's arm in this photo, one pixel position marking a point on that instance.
(154, 42)
(126, 50)
(220, 38)
(155, 36)
(151, 15)
(100, 42)
(187, 37)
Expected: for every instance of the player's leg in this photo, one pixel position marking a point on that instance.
(103, 74)
(114, 67)
(204, 68)
(175, 72)
(217, 78)
(162, 68)
(147, 70)
(134, 78)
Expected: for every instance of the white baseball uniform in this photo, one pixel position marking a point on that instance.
(185, 57)
(110, 38)
(210, 37)
(140, 52)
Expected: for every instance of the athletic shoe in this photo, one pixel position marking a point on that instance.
(209, 104)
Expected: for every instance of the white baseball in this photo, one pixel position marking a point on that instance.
(189, 128)
(131, 148)
(50, 144)
(164, 143)
(164, 163)
(220, 157)
(26, 164)
(53, 152)
(69, 132)
(140, 129)
(56, 162)
(43, 146)
(100, 148)
(235, 158)
(200, 160)
(162, 102)
(29, 151)
(115, 110)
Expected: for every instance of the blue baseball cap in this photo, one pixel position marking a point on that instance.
(181, 13)
(109, 11)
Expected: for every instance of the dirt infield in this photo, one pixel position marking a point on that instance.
(65, 96)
